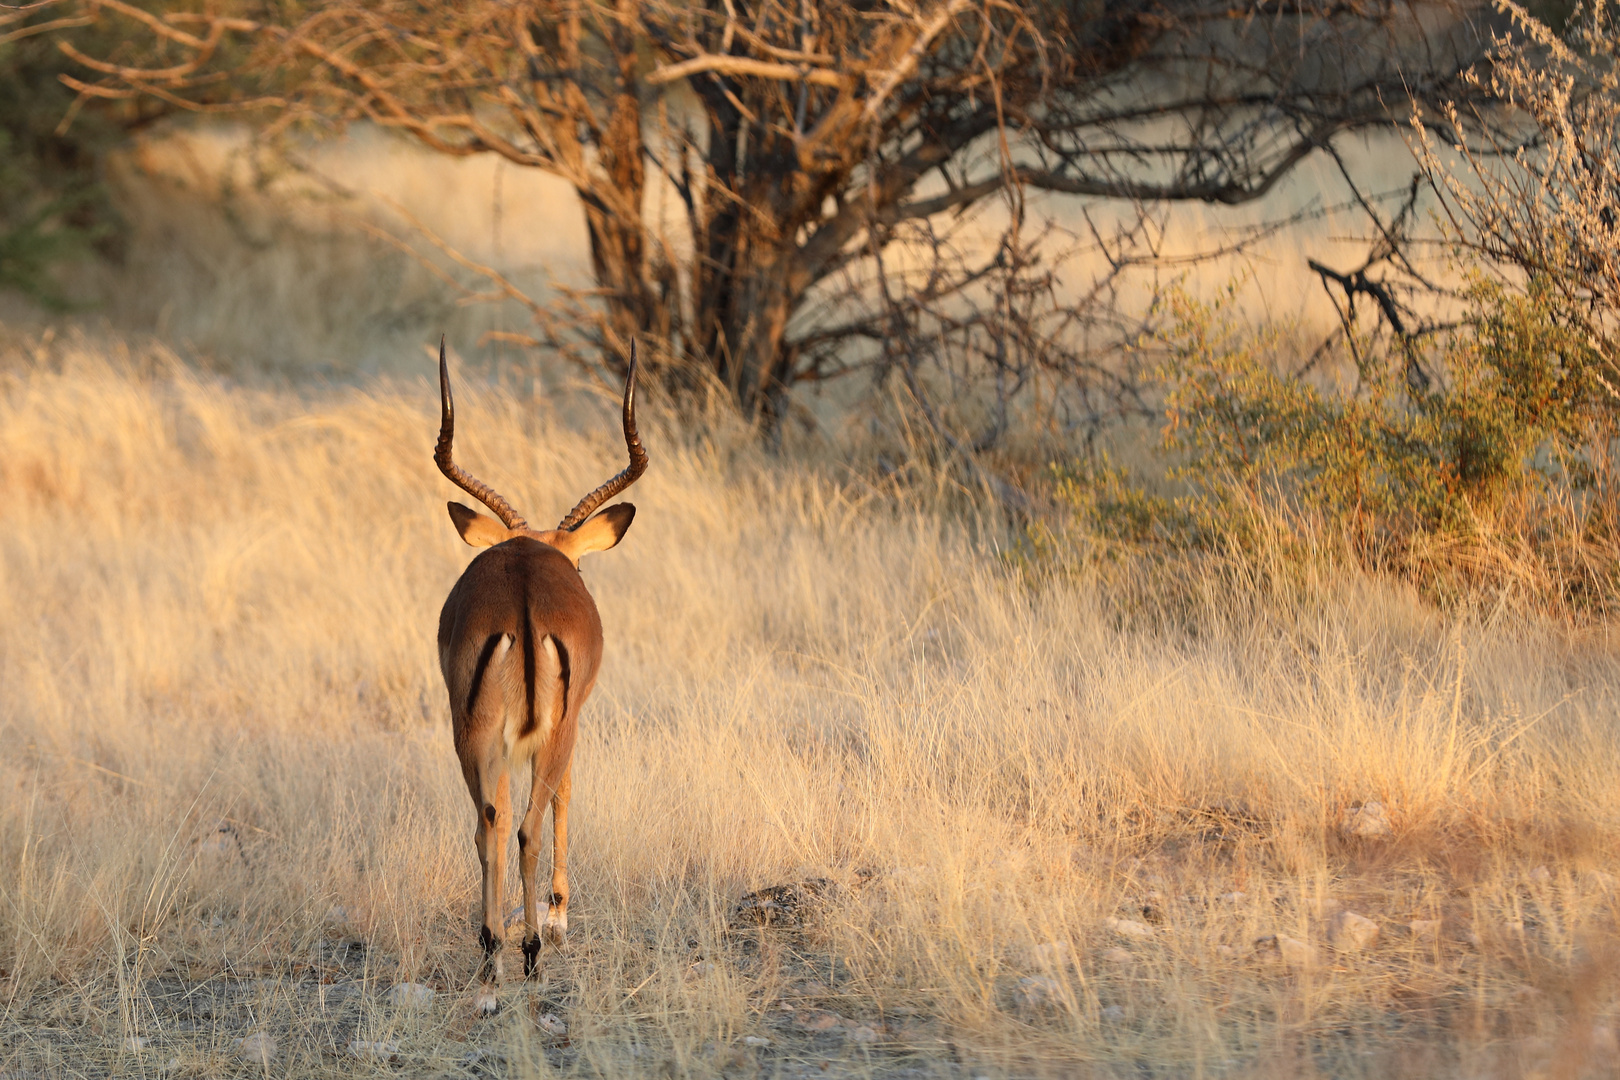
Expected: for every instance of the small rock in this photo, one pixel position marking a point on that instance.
(369, 1050)
(1129, 928)
(1425, 929)
(1350, 932)
(782, 905)
(221, 846)
(863, 1034)
(1114, 1013)
(808, 988)
(816, 1020)
(1225, 951)
(1602, 879)
(257, 1049)
(410, 995)
(1540, 874)
(1369, 821)
(1051, 954)
(1117, 955)
(756, 1040)
(552, 1025)
(136, 1043)
(1034, 991)
(1292, 951)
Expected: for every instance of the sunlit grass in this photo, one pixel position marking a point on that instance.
(217, 610)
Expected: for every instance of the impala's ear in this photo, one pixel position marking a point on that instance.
(597, 533)
(477, 529)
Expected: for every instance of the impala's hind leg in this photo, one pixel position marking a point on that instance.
(557, 910)
(493, 795)
(528, 864)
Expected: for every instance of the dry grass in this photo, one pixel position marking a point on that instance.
(217, 606)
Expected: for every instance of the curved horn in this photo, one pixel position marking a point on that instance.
(459, 476)
(638, 457)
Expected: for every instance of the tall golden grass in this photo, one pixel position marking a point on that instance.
(229, 804)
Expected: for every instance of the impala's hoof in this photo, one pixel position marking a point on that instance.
(556, 928)
(486, 1004)
(531, 956)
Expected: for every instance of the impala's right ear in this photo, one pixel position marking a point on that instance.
(477, 529)
(598, 533)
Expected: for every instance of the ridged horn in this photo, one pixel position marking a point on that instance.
(638, 457)
(459, 476)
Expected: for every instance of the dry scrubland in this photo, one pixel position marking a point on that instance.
(228, 801)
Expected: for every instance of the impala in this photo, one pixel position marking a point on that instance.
(520, 643)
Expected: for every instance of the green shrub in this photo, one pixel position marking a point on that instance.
(1497, 471)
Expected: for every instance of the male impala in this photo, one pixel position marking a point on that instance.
(520, 644)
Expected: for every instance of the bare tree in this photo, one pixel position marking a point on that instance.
(801, 136)
(1530, 188)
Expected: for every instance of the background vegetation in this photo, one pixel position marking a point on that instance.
(1071, 745)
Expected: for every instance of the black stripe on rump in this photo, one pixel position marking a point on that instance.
(528, 668)
(565, 672)
(490, 644)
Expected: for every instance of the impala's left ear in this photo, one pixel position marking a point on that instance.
(597, 533)
(477, 529)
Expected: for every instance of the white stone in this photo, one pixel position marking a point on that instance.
(756, 1040)
(137, 1043)
(1541, 874)
(1369, 821)
(552, 1025)
(410, 995)
(1117, 955)
(1129, 928)
(1051, 954)
(1602, 879)
(219, 845)
(1034, 991)
(373, 1050)
(1350, 932)
(817, 1020)
(257, 1049)
(1114, 1013)
(864, 1034)
(1292, 951)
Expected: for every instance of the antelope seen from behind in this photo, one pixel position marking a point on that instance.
(520, 644)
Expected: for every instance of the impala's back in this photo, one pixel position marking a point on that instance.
(520, 643)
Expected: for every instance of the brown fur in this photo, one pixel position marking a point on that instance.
(520, 643)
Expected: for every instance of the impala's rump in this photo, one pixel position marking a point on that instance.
(539, 648)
